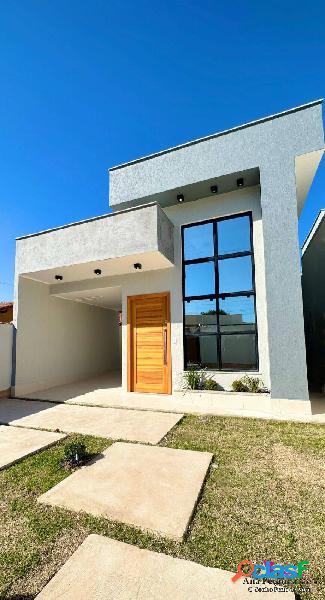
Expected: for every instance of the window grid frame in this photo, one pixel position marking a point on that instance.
(217, 296)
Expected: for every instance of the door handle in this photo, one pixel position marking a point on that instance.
(165, 345)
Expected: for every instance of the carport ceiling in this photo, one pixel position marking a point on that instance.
(108, 297)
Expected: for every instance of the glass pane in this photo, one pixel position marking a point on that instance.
(234, 235)
(201, 350)
(238, 352)
(200, 316)
(235, 274)
(237, 313)
(199, 279)
(198, 241)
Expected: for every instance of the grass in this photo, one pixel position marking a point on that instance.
(263, 499)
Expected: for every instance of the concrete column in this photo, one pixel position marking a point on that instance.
(286, 340)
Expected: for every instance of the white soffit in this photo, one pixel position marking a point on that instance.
(306, 166)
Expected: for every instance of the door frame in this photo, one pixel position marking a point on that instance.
(130, 373)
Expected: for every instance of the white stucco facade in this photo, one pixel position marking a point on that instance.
(70, 339)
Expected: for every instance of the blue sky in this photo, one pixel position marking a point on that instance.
(86, 85)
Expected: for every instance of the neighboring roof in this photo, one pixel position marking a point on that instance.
(219, 134)
(318, 221)
(6, 305)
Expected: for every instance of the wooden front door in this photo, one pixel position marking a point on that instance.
(149, 357)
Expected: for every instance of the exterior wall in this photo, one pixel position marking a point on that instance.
(286, 340)
(273, 146)
(59, 341)
(313, 288)
(6, 336)
(260, 144)
(171, 280)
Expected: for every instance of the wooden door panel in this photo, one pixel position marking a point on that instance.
(149, 343)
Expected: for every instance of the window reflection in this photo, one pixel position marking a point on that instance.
(198, 241)
(201, 350)
(199, 279)
(200, 316)
(234, 235)
(238, 352)
(225, 322)
(235, 274)
(237, 313)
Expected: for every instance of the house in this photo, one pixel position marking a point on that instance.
(6, 312)
(200, 255)
(313, 289)
(6, 343)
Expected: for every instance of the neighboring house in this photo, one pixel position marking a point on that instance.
(313, 289)
(6, 340)
(6, 312)
(205, 229)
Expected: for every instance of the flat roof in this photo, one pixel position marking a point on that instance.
(219, 134)
(318, 221)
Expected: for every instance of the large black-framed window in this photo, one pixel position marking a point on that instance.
(219, 304)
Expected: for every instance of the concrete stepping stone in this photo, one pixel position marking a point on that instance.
(132, 425)
(150, 487)
(17, 443)
(105, 569)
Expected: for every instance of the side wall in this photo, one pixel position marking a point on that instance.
(6, 334)
(59, 341)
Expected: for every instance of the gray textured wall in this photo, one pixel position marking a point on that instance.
(272, 147)
(120, 234)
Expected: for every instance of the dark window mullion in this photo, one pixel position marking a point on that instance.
(197, 261)
(216, 280)
(246, 293)
(254, 288)
(234, 255)
(202, 297)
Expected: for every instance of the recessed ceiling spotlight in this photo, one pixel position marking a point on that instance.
(240, 182)
(137, 266)
(180, 197)
(97, 271)
(214, 189)
(58, 277)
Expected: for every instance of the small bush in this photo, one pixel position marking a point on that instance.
(211, 384)
(248, 384)
(194, 378)
(75, 452)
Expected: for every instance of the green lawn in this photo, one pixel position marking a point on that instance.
(263, 499)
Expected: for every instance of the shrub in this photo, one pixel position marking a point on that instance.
(211, 384)
(75, 452)
(248, 384)
(194, 378)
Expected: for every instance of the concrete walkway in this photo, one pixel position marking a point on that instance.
(150, 487)
(106, 391)
(16, 443)
(131, 425)
(106, 569)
